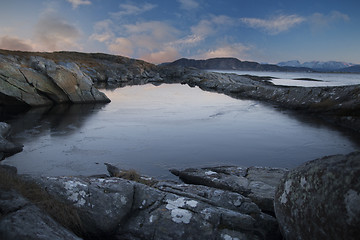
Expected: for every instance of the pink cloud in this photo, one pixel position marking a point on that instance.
(237, 50)
(53, 33)
(15, 43)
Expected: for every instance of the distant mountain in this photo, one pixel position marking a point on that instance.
(317, 65)
(292, 63)
(233, 64)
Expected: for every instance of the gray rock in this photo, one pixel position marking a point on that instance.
(6, 147)
(321, 199)
(129, 210)
(103, 203)
(256, 183)
(27, 78)
(22, 220)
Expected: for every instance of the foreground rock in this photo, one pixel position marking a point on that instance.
(256, 183)
(114, 207)
(7, 147)
(321, 199)
(23, 220)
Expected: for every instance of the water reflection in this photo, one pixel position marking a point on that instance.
(63, 119)
(155, 128)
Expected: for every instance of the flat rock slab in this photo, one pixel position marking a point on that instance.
(257, 183)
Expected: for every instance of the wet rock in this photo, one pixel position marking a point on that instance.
(7, 147)
(321, 199)
(256, 183)
(20, 219)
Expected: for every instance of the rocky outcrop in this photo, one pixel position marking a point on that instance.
(7, 147)
(340, 100)
(321, 199)
(37, 79)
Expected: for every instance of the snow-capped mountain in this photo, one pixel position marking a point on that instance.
(292, 63)
(317, 65)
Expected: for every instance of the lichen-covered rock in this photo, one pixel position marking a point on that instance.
(258, 184)
(321, 199)
(20, 219)
(102, 203)
(115, 207)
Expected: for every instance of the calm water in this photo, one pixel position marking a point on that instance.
(288, 78)
(155, 128)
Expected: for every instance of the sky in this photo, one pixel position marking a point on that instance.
(266, 31)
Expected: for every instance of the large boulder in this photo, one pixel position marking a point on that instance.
(321, 199)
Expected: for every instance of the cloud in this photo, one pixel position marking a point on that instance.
(188, 4)
(103, 31)
(146, 40)
(237, 50)
(210, 26)
(131, 9)
(320, 21)
(76, 3)
(122, 46)
(53, 33)
(168, 54)
(188, 41)
(275, 25)
(14, 43)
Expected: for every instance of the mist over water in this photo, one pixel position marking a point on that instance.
(155, 128)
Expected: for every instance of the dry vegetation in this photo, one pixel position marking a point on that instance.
(132, 175)
(63, 213)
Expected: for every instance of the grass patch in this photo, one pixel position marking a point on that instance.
(63, 213)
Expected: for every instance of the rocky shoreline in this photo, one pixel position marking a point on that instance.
(38, 79)
(210, 203)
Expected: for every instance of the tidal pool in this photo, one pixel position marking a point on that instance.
(155, 128)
